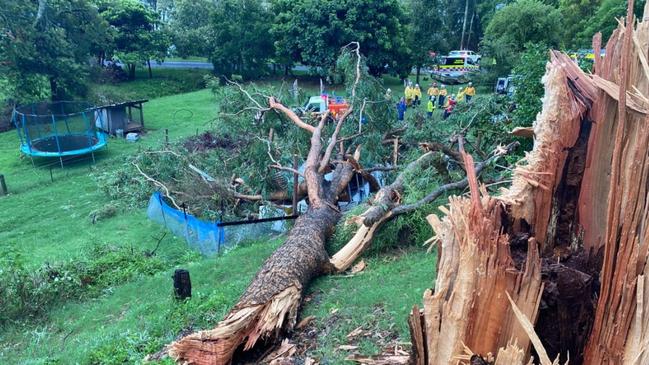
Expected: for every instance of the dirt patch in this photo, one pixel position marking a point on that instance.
(209, 141)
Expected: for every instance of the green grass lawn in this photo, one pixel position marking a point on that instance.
(48, 222)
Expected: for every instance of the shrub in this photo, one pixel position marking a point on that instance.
(29, 292)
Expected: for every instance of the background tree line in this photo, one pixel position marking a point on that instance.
(48, 47)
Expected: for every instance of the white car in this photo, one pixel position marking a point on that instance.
(472, 56)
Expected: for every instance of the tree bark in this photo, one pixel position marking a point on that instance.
(54, 90)
(270, 304)
(617, 173)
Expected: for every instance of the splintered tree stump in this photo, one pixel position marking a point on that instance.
(583, 195)
(491, 248)
(182, 284)
(617, 173)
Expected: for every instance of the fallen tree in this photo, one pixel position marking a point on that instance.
(577, 210)
(269, 306)
(271, 301)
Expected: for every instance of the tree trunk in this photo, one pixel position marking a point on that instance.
(131, 71)
(270, 304)
(468, 37)
(617, 172)
(466, 14)
(148, 63)
(54, 90)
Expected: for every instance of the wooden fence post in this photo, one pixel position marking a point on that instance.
(3, 185)
(182, 284)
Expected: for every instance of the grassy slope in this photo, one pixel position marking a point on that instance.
(49, 221)
(163, 82)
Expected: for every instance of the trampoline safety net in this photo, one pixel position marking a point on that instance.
(206, 236)
(58, 129)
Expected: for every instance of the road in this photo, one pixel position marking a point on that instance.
(182, 64)
(203, 65)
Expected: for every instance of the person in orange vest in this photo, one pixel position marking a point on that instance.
(469, 92)
(433, 92)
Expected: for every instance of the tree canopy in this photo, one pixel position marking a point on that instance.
(189, 25)
(519, 23)
(239, 37)
(137, 34)
(47, 44)
(313, 32)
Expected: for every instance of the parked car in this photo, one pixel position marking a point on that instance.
(505, 85)
(469, 55)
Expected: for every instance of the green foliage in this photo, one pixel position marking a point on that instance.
(44, 49)
(190, 27)
(529, 89)
(486, 123)
(511, 28)
(602, 20)
(428, 30)
(239, 38)
(576, 16)
(312, 32)
(31, 292)
(137, 34)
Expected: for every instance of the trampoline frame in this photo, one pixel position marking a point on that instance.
(96, 138)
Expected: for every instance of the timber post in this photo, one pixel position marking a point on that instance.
(182, 284)
(3, 185)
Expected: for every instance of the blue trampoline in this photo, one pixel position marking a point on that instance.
(59, 129)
